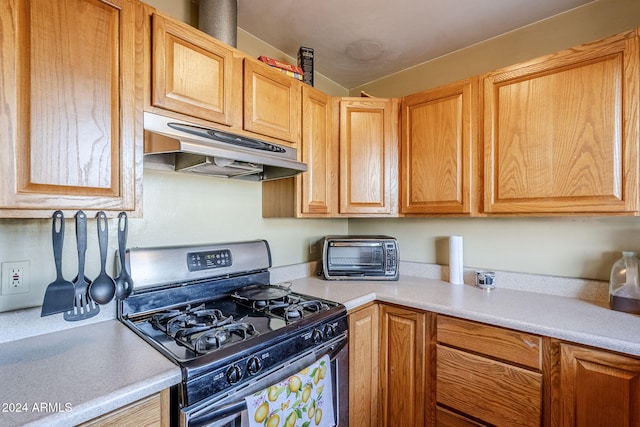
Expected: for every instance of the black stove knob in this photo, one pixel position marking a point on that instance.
(254, 365)
(234, 374)
(316, 336)
(329, 331)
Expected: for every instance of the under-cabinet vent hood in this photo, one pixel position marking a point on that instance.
(184, 147)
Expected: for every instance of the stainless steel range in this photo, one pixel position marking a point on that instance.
(213, 311)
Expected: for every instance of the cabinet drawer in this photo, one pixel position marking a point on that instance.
(489, 390)
(505, 344)
(446, 418)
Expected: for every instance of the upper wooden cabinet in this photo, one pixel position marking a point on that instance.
(438, 152)
(72, 107)
(561, 131)
(194, 74)
(271, 102)
(368, 151)
(311, 193)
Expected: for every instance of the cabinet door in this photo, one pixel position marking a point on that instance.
(319, 153)
(561, 132)
(598, 388)
(438, 150)
(368, 156)
(71, 106)
(363, 366)
(150, 411)
(192, 74)
(271, 102)
(311, 194)
(402, 367)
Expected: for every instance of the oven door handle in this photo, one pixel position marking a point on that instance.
(332, 348)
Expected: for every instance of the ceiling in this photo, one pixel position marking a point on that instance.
(358, 41)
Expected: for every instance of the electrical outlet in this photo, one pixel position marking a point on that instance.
(15, 277)
(312, 248)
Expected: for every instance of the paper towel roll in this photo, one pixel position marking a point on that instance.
(456, 264)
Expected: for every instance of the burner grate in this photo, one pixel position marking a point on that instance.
(291, 308)
(201, 329)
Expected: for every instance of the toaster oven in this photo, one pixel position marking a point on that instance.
(360, 258)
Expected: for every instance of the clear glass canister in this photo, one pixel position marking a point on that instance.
(624, 289)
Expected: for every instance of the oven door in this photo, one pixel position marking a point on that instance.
(231, 410)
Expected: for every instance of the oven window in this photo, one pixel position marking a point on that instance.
(356, 258)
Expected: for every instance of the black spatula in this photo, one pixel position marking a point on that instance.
(60, 293)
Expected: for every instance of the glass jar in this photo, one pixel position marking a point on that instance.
(624, 289)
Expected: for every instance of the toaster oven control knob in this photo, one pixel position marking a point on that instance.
(254, 365)
(316, 336)
(234, 374)
(329, 331)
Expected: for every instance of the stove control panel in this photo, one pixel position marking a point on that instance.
(263, 359)
(209, 259)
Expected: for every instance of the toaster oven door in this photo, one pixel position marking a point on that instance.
(355, 259)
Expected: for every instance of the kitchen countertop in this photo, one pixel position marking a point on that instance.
(68, 377)
(80, 373)
(570, 319)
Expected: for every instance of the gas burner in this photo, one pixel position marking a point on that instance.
(218, 337)
(291, 308)
(185, 322)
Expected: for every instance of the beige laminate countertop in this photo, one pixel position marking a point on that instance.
(565, 318)
(87, 371)
(68, 377)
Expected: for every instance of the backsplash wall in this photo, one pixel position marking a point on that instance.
(178, 209)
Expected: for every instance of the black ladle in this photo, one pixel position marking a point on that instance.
(124, 284)
(103, 287)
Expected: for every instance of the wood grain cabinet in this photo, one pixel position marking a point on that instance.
(561, 131)
(487, 374)
(598, 388)
(363, 366)
(152, 411)
(311, 194)
(193, 74)
(71, 116)
(368, 150)
(438, 152)
(403, 366)
(272, 104)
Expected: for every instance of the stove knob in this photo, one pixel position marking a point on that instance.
(316, 336)
(254, 365)
(329, 331)
(234, 374)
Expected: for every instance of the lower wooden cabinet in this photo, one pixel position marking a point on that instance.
(598, 388)
(149, 411)
(363, 367)
(413, 368)
(403, 366)
(489, 373)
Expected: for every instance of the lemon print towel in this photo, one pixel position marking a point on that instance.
(302, 400)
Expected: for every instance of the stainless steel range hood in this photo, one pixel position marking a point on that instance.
(185, 147)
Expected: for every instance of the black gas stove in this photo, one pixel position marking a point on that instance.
(212, 310)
